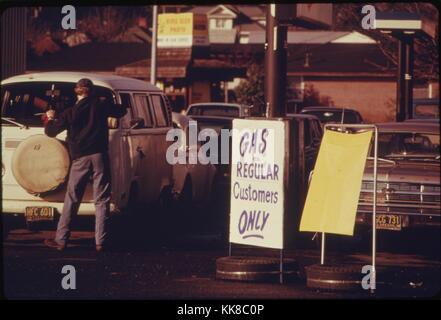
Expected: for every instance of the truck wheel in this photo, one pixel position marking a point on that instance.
(334, 277)
(5, 231)
(186, 196)
(40, 164)
(244, 268)
(132, 207)
(166, 199)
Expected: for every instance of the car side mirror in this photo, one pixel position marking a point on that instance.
(137, 123)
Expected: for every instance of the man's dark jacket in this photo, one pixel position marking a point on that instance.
(86, 125)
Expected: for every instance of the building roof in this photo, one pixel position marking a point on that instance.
(201, 9)
(248, 27)
(336, 58)
(315, 37)
(251, 11)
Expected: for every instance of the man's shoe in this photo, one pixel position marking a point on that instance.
(54, 244)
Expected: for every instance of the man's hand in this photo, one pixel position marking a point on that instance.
(50, 114)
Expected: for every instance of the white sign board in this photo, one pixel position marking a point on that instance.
(257, 189)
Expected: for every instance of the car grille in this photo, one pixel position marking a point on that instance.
(403, 197)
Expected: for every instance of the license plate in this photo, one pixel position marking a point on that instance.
(388, 222)
(39, 213)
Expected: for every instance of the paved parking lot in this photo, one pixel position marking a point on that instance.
(181, 265)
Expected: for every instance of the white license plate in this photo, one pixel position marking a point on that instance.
(39, 213)
(388, 222)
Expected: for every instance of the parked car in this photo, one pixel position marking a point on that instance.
(408, 186)
(219, 109)
(334, 115)
(137, 143)
(192, 182)
(312, 137)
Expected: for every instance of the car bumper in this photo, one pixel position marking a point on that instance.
(409, 220)
(14, 207)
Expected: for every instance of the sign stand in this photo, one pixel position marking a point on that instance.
(374, 204)
(281, 266)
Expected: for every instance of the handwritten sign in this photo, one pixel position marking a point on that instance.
(257, 194)
(182, 30)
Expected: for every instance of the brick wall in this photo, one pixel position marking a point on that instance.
(374, 99)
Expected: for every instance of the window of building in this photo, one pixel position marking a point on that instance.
(221, 23)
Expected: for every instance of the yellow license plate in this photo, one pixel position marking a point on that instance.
(39, 213)
(388, 222)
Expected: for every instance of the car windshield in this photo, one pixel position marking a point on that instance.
(27, 102)
(335, 116)
(214, 110)
(408, 145)
(427, 111)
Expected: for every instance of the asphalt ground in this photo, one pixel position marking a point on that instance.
(162, 256)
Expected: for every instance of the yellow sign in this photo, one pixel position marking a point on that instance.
(332, 200)
(182, 30)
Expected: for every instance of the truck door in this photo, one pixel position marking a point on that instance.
(123, 170)
(143, 149)
(162, 125)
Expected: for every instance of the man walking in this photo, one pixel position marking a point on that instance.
(88, 139)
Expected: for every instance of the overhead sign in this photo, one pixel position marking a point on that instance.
(257, 188)
(332, 200)
(182, 30)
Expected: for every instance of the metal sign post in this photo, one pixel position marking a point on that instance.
(374, 204)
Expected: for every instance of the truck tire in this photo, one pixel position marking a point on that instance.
(334, 277)
(244, 268)
(40, 164)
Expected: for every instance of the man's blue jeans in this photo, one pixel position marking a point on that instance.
(95, 166)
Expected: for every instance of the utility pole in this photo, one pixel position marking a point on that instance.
(275, 64)
(408, 80)
(154, 43)
(405, 77)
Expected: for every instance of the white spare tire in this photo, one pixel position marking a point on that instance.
(40, 164)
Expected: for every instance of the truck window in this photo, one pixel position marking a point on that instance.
(26, 102)
(159, 109)
(126, 100)
(143, 109)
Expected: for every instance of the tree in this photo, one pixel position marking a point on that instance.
(348, 16)
(250, 91)
(101, 23)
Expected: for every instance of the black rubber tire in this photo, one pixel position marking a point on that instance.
(243, 268)
(334, 277)
(5, 230)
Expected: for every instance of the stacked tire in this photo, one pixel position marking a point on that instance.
(338, 277)
(258, 269)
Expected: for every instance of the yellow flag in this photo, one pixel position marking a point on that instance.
(332, 200)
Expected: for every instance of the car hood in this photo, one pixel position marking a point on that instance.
(405, 171)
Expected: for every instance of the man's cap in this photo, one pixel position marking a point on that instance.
(85, 83)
